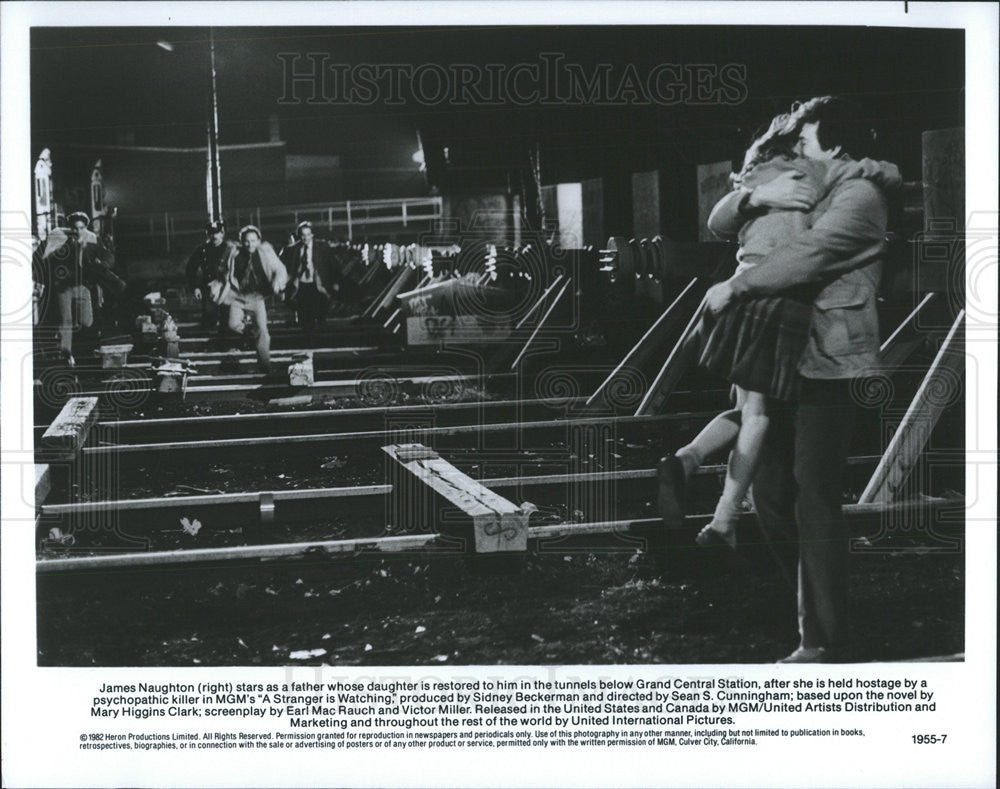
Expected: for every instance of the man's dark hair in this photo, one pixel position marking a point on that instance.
(840, 123)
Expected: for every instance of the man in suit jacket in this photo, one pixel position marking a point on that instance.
(313, 278)
(799, 486)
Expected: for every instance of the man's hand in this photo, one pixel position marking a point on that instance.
(197, 294)
(718, 297)
(787, 192)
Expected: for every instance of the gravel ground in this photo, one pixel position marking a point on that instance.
(584, 607)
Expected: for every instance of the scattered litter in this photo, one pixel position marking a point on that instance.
(191, 527)
(269, 590)
(440, 658)
(420, 629)
(384, 573)
(243, 643)
(326, 636)
(305, 654)
(298, 581)
(56, 535)
(437, 598)
(538, 638)
(196, 660)
(368, 647)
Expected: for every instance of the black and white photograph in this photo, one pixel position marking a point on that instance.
(498, 344)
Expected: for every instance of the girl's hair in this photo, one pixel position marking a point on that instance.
(249, 229)
(778, 140)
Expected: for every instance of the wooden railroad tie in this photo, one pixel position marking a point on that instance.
(114, 357)
(68, 432)
(430, 494)
(43, 483)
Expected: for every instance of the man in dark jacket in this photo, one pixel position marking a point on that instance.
(72, 262)
(313, 278)
(203, 266)
(798, 489)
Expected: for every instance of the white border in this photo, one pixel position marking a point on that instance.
(33, 750)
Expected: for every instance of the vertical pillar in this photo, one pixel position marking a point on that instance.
(713, 185)
(646, 204)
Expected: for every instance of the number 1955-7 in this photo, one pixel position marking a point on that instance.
(929, 739)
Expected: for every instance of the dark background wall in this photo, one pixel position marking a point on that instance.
(104, 87)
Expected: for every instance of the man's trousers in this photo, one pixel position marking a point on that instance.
(75, 311)
(798, 495)
(252, 304)
(310, 305)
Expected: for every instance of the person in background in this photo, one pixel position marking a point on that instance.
(312, 277)
(250, 273)
(202, 267)
(71, 263)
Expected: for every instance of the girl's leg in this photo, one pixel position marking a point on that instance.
(717, 435)
(673, 471)
(742, 466)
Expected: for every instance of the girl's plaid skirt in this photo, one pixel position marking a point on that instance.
(755, 344)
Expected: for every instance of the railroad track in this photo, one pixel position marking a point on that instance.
(551, 451)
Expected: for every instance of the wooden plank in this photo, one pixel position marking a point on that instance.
(446, 297)
(435, 329)
(907, 443)
(43, 483)
(69, 430)
(428, 493)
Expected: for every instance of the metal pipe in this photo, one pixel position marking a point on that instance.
(541, 323)
(213, 136)
(635, 348)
